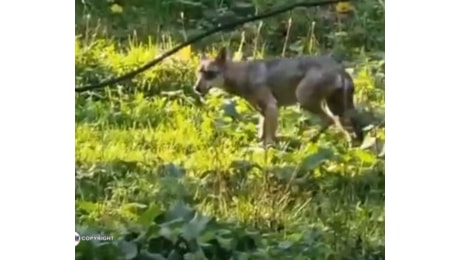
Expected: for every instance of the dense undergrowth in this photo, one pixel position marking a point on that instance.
(174, 177)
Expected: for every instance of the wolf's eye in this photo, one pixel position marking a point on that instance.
(209, 74)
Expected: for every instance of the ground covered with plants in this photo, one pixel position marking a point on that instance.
(171, 176)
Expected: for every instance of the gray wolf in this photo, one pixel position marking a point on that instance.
(319, 84)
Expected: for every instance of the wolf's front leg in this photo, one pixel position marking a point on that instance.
(270, 123)
(261, 128)
(262, 99)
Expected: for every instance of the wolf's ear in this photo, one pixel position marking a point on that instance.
(229, 56)
(222, 55)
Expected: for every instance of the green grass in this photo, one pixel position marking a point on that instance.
(173, 177)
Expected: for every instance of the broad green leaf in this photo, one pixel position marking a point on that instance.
(129, 249)
(107, 249)
(87, 205)
(180, 211)
(150, 256)
(149, 215)
(229, 108)
(194, 228)
(365, 156)
(174, 255)
(116, 8)
(316, 159)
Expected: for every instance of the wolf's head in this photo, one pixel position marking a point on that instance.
(210, 72)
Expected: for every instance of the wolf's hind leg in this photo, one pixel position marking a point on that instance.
(311, 94)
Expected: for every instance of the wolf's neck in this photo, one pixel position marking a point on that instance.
(235, 79)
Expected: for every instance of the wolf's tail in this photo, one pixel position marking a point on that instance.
(348, 103)
(348, 91)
